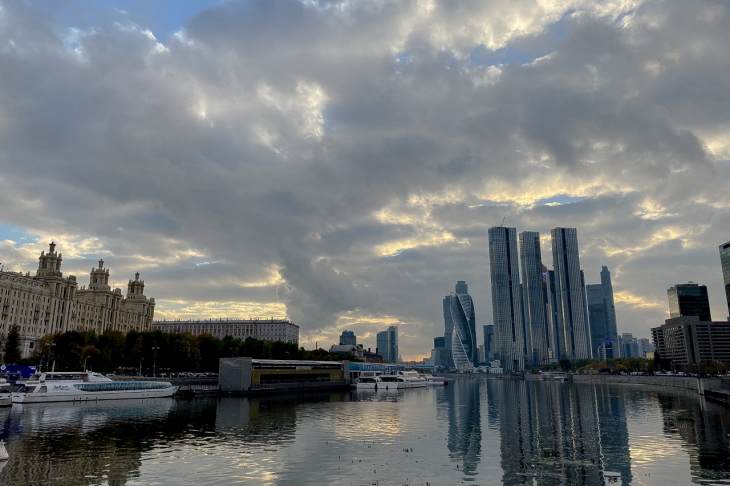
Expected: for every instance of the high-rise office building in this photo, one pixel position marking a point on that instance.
(537, 336)
(689, 299)
(602, 317)
(569, 286)
(506, 300)
(448, 332)
(459, 317)
(629, 346)
(440, 356)
(555, 325)
(348, 338)
(387, 344)
(725, 260)
(489, 342)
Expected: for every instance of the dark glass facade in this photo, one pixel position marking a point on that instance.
(690, 299)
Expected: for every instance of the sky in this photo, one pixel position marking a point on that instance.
(339, 162)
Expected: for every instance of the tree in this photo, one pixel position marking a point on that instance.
(12, 346)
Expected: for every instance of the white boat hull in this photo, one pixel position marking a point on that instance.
(92, 396)
(6, 400)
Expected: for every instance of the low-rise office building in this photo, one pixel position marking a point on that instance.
(688, 341)
(262, 329)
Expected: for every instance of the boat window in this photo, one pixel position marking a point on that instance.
(121, 386)
(389, 379)
(41, 389)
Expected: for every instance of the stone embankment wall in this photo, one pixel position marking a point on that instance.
(697, 385)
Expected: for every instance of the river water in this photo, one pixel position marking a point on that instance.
(474, 431)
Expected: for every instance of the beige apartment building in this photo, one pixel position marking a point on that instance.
(48, 302)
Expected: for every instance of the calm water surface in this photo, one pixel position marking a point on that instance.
(475, 431)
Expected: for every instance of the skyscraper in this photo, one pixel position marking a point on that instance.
(573, 314)
(506, 300)
(689, 299)
(555, 325)
(448, 332)
(602, 317)
(489, 342)
(387, 344)
(459, 316)
(725, 260)
(537, 336)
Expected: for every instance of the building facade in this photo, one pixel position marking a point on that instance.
(488, 342)
(461, 319)
(49, 303)
(571, 301)
(690, 299)
(506, 299)
(387, 344)
(602, 317)
(537, 336)
(263, 329)
(348, 338)
(725, 261)
(689, 341)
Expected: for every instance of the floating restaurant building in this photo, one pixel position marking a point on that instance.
(249, 375)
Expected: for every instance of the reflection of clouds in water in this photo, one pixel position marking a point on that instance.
(533, 433)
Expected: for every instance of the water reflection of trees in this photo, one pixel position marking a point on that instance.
(103, 442)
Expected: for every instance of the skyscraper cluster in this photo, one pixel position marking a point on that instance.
(542, 315)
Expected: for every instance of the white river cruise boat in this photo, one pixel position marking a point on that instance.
(86, 386)
(5, 393)
(403, 379)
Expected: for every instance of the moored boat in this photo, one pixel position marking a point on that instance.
(86, 386)
(403, 379)
(6, 397)
(368, 383)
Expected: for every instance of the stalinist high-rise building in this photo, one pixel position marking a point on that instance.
(49, 303)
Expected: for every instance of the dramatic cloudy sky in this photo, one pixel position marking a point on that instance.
(340, 162)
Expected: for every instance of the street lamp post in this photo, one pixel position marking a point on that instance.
(154, 360)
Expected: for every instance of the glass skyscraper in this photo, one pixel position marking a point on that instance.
(570, 289)
(506, 299)
(387, 344)
(537, 337)
(725, 260)
(602, 317)
(460, 327)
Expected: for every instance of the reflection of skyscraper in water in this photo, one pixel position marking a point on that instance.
(553, 434)
(614, 433)
(465, 432)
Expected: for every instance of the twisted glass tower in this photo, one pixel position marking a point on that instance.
(460, 327)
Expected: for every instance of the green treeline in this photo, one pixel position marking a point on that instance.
(115, 351)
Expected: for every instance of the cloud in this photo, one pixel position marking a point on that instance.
(339, 160)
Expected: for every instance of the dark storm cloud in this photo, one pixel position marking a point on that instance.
(345, 159)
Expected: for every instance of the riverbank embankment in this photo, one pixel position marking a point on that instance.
(715, 389)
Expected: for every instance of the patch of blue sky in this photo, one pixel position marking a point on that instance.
(523, 50)
(16, 234)
(162, 17)
(559, 200)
